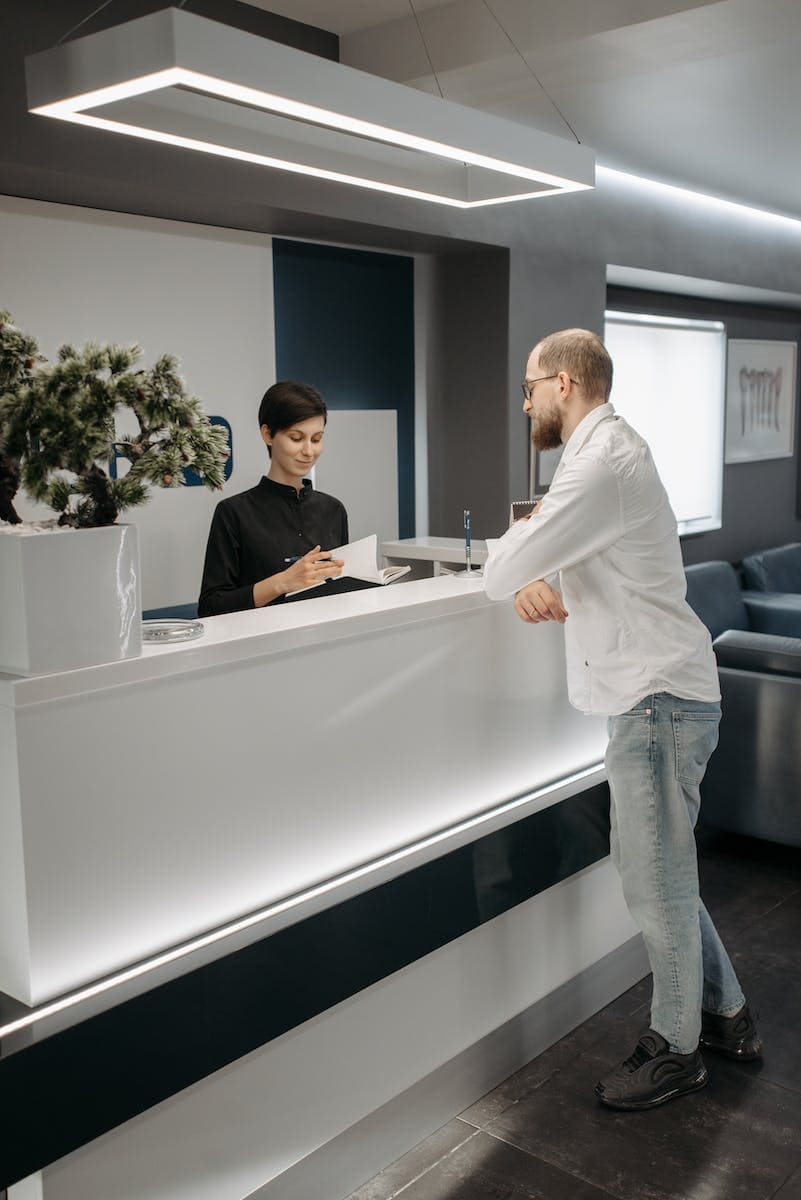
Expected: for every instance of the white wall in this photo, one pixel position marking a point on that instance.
(200, 293)
(360, 467)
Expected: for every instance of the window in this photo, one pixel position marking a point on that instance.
(669, 384)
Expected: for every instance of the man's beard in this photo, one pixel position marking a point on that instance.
(546, 432)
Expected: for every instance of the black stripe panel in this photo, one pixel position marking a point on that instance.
(60, 1093)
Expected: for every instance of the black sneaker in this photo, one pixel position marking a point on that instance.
(652, 1075)
(736, 1036)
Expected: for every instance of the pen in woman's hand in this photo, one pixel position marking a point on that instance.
(326, 558)
(307, 570)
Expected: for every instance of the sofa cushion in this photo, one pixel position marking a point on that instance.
(774, 612)
(713, 592)
(776, 570)
(763, 652)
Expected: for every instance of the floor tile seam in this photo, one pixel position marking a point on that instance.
(437, 1161)
(470, 1125)
(785, 1181)
(767, 912)
(795, 886)
(556, 1166)
(788, 870)
(634, 1133)
(601, 1036)
(576, 1174)
(524, 1095)
(784, 1087)
(746, 876)
(786, 899)
(581, 1050)
(509, 1141)
(568, 1062)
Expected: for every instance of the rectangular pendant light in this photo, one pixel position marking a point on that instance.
(178, 78)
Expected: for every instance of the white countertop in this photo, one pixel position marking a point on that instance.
(245, 635)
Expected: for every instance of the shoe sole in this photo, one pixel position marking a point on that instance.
(736, 1052)
(701, 1080)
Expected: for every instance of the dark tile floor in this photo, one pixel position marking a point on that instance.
(541, 1135)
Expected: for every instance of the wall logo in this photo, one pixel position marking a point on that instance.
(191, 477)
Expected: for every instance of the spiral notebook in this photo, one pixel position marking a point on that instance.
(521, 508)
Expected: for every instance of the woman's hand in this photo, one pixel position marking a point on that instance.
(313, 568)
(309, 570)
(537, 602)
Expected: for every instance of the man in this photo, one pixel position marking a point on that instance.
(637, 653)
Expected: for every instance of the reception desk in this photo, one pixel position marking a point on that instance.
(145, 802)
(270, 872)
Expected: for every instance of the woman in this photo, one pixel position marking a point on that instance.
(267, 542)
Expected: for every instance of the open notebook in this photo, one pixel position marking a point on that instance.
(361, 562)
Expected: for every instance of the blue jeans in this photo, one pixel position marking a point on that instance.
(655, 761)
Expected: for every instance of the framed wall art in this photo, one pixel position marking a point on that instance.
(760, 400)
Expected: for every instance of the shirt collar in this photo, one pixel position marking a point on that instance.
(583, 430)
(285, 489)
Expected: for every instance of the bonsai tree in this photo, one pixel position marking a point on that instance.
(19, 355)
(58, 424)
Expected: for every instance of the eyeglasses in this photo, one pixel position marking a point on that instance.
(528, 384)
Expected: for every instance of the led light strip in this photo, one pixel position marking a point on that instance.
(74, 109)
(704, 199)
(291, 902)
(632, 318)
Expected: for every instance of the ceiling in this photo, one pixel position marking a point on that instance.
(704, 94)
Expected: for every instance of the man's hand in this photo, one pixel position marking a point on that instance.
(539, 602)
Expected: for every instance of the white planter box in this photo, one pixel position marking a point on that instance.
(69, 598)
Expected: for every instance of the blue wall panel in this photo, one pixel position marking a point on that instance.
(344, 322)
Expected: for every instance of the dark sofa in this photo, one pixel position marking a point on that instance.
(775, 570)
(753, 782)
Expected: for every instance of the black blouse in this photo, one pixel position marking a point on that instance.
(256, 533)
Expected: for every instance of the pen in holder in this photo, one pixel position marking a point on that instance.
(467, 551)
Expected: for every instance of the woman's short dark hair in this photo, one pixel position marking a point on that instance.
(286, 403)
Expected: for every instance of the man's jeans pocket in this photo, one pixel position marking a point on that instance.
(695, 736)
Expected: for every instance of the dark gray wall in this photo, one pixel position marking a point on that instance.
(468, 397)
(557, 250)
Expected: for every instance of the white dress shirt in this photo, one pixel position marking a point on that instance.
(607, 527)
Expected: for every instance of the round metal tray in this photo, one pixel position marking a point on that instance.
(171, 631)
